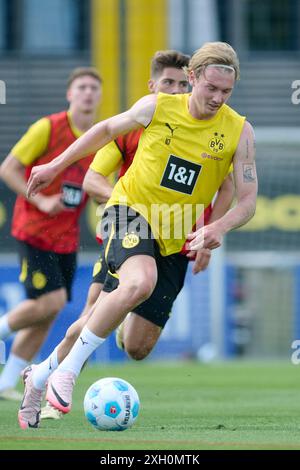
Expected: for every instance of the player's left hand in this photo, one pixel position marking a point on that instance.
(210, 236)
(41, 176)
(202, 260)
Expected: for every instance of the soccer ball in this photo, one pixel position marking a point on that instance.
(111, 404)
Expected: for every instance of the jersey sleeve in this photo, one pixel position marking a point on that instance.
(33, 143)
(230, 171)
(107, 160)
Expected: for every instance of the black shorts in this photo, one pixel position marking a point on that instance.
(171, 274)
(100, 268)
(125, 233)
(45, 271)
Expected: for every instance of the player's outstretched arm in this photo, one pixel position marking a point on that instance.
(95, 138)
(211, 236)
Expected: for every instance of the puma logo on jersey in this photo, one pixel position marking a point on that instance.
(172, 129)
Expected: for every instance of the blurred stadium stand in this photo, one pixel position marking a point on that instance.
(36, 87)
(260, 312)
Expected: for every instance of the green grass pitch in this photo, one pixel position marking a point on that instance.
(184, 405)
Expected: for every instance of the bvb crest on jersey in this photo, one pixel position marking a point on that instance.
(130, 240)
(217, 144)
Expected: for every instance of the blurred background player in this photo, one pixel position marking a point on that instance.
(46, 227)
(140, 331)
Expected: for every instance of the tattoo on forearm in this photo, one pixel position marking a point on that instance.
(248, 173)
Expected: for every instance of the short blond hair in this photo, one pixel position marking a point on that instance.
(210, 53)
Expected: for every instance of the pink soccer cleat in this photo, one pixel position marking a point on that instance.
(59, 390)
(30, 409)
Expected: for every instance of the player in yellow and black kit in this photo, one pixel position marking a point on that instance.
(141, 329)
(168, 76)
(184, 154)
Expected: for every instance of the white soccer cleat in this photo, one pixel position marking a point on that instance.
(49, 412)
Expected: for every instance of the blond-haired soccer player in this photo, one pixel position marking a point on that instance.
(167, 76)
(172, 173)
(142, 328)
(46, 227)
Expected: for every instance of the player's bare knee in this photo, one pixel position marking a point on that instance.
(57, 300)
(136, 291)
(50, 304)
(136, 352)
(145, 288)
(138, 348)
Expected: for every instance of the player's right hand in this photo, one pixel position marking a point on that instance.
(210, 236)
(202, 260)
(41, 176)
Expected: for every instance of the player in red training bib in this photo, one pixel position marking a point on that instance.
(46, 227)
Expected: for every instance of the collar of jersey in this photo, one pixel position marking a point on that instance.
(77, 132)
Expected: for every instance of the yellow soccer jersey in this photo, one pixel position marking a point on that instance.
(107, 160)
(179, 166)
(35, 141)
